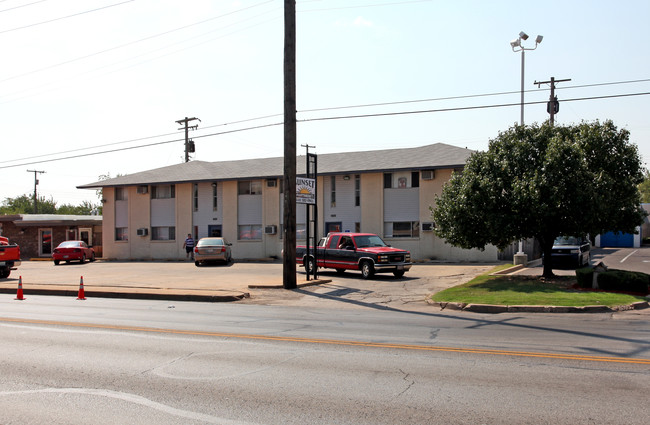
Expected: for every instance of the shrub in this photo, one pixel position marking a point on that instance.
(623, 280)
(585, 277)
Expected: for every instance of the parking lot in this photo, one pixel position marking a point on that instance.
(235, 278)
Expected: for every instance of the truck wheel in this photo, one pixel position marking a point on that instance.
(398, 273)
(309, 265)
(367, 270)
(56, 262)
(4, 273)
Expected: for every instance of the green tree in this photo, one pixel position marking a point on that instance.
(24, 204)
(644, 187)
(85, 208)
(543, 182)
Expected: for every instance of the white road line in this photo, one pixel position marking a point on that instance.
(629, 255)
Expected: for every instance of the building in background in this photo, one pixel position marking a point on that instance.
(38, 234)
(388, 192)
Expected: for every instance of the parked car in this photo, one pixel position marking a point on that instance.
(212, 249)
(572, 251)
(73, 251)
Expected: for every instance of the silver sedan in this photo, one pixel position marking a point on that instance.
(212, 249)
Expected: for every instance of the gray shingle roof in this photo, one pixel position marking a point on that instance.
(438, 155)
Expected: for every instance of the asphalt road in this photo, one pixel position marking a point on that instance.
(125, 361)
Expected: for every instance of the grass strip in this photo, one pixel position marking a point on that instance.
(529, 290)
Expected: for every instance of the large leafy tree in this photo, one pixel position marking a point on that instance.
(24, 204)
(543, 182)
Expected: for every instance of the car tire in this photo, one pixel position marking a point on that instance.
(56, 262)
(398, 273)
(309, 266)
(197, 263)
(92, 258)
(83, 258)
(367, 270)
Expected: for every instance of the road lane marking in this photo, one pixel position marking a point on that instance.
(629, 255)
(414, 347)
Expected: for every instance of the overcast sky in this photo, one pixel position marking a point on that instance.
(86, 76)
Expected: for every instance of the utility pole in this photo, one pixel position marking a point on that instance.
(289, 257)
(35, 184)
(553, 105)
(189, 144)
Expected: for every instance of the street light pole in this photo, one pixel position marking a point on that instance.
(520, 257)
(517, 46)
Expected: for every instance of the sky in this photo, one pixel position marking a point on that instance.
(86, 84)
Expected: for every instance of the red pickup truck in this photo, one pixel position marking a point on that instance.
(356, 251)
(9, 257)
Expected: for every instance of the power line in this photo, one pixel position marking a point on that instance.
(464, 108)
(469, 96)
(22, 5)
(65, 17)
(127, 44)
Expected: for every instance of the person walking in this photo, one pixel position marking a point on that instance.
(189, 246)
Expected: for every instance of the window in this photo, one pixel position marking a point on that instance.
(196, 197)
(120, 194)
(402, 229)
(357, 190)
(301, 232)
(333, 191)
(214, 197)
(249, 232)
(164, 191)
(163, 233)
(415, 179)
(388, 180)
(121, 233)
(250, 187)
(357, 227)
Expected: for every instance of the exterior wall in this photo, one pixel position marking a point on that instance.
(27, 236)
(372, 203)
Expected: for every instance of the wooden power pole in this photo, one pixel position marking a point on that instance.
(35, 184)
(189, 145)
(289, 257)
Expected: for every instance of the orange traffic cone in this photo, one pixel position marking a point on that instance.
(82, 294)
(19, 295)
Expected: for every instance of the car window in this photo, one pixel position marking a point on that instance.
(210, 242)
(567, 240)
(368, 241)
(69, 244)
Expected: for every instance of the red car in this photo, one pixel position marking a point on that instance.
(73, 250)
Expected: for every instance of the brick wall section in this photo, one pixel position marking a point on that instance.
(27, 237)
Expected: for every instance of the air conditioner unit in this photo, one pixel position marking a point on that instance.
(143, 231)
(142, 189)
(428, 174)
(271, 230)
(271, 182)
(427, 227)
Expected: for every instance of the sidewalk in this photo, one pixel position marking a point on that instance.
(173, 280)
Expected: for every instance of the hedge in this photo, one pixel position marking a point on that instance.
(615, 280)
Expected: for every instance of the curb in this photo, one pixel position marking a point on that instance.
(299, 285)
(491, 308)
(134, 293)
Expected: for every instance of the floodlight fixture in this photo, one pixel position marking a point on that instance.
(523, 35)
(539, 39)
